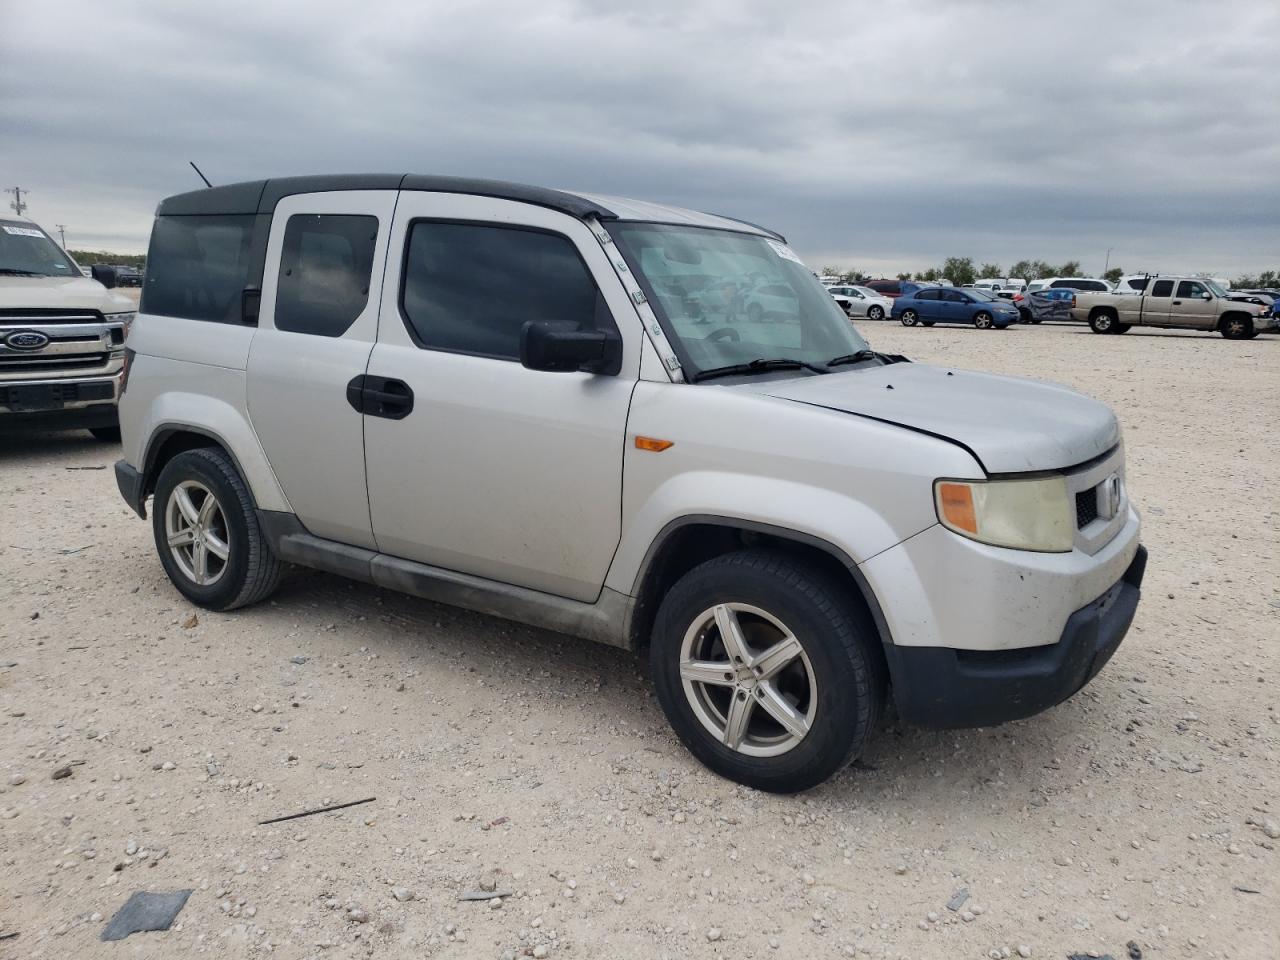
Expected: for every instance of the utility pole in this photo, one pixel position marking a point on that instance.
(1108, 266)
(62, 234)
(17, 203)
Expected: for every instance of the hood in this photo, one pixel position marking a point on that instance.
(70, 293)
(1009, 424)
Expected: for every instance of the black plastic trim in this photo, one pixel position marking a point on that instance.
(232, 199)
(166, 430)
(129, 481)
(782, 533)
(943, 688)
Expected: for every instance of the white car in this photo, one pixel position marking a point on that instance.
(1088, 284)
(510, 399)
(859, 301)
(61, 336)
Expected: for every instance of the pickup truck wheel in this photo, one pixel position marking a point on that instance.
(207, 533)
(983, 321)
(875, 313)
(1102, 323)
(909, 318)
(1237, 327)
(761, 668)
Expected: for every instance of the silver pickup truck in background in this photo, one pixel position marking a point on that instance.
(61, 337)
(1180, 303)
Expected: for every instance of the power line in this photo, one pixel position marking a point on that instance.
(17, 204)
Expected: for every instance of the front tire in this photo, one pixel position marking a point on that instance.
(875, 313)
(207, 533)
(1237, 327)
(909, 318)
(765, 671)
(982, 320)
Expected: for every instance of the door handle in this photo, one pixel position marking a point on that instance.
(380, 397)
(1177, 303)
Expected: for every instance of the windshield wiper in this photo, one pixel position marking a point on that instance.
(14, 272)
(861, 355)
(755, 366)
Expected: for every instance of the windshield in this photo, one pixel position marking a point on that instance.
(728, 298)
(1216, 290)
(26, 250)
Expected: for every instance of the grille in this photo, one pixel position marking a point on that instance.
(1086, 507)
(22, 316)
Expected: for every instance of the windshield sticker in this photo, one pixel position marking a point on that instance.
(785, 252)
(23, 232)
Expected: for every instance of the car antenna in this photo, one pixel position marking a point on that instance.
(201, 175)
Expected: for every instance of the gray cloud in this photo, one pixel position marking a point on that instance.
(885, 136)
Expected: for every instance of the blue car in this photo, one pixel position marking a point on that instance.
(953, 305)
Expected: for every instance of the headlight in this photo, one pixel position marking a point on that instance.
(1022, 514)
(126, 318)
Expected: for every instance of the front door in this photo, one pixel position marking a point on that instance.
(316, 328)
(1193, 306)
(499, 471)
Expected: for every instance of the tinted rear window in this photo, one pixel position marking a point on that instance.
(324, 272)
(197, 267)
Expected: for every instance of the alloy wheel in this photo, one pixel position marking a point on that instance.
(748, 680)
(196, 532)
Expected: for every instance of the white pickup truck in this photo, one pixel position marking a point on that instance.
(1180, 303)
(61, 336)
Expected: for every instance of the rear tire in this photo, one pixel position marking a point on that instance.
(909, 318)
(818, 671)
(1102, 322)
(106, 434)
(207, 533)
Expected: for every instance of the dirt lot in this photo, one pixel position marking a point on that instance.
(1139, 811)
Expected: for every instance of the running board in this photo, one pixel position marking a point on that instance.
(606, 621)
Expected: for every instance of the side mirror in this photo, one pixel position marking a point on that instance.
(544, 347)
(250, 304)
(104, 274)
(1206, 295)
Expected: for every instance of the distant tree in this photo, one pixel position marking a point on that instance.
(87, 258)
(830, 271)
(1040, 269)
(1069, 269)
(931, 275)
(1114, 274)
(1267, 278)
(904, 276)
(1022, 269)
(959, 270)
(990, 271)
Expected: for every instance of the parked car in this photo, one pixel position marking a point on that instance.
(896, 288)
(61, 336)
(1041, 305)
(1070, 283)
(1133, 283)
(127, 276)
(1186, 303)
(862, 301)
(514, 422)
(954, 305)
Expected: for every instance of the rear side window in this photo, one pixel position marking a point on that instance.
(1161, 288)
(471, 288)
(927, 295)
(1139, 284)
(197, 267)
(325, 268)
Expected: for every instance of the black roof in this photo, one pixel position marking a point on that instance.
(261, 196)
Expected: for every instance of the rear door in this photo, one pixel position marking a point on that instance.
(493, 469)
(1156, 302)
(1193, 306)
(317, 325)
(927, 305)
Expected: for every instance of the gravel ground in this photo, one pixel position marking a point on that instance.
(512, 761)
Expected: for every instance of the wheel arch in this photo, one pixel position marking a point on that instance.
(1231, 315)
(170, 439)
(690, 540)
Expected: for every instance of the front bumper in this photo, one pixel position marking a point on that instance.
(942, 687)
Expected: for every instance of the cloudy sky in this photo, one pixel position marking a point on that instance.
(883, 136)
